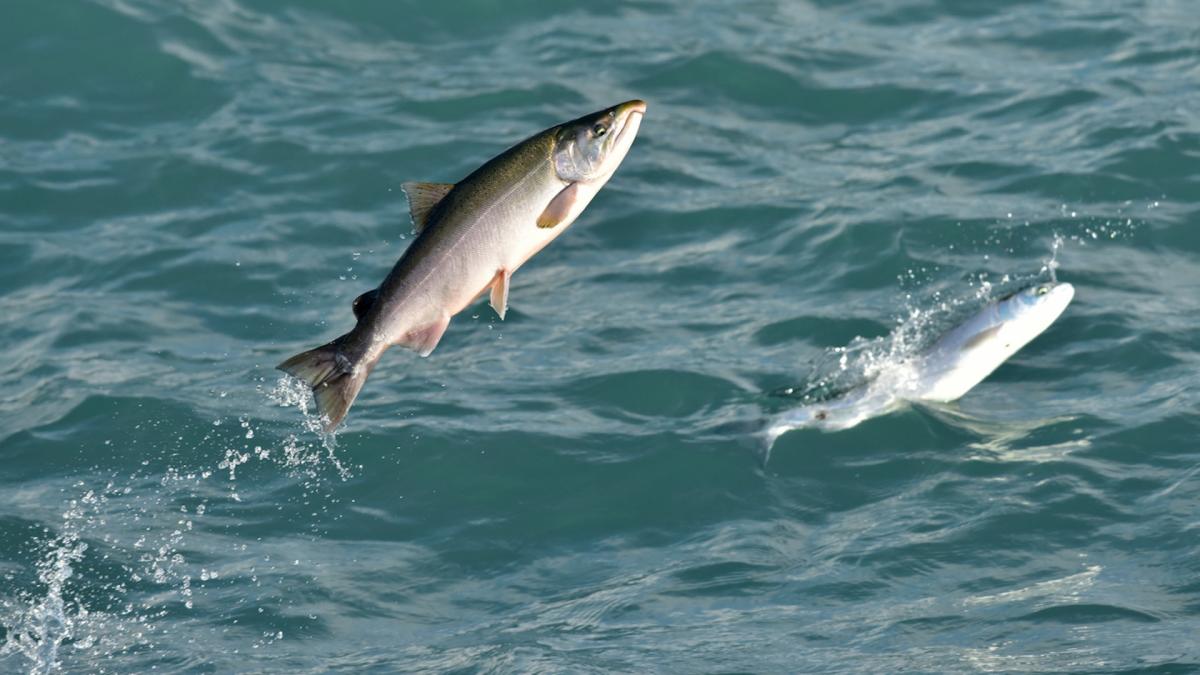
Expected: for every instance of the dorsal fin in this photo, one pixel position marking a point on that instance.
(422, 197)
(981, 337)
(362, 304)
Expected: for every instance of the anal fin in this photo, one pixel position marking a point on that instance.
(425, 339)
(499, 296)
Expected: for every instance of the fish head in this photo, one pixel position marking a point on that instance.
(970, 352)
(589, 149)
(1040, 304)
(1027, 313)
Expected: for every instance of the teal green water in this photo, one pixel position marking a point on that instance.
(192, 191)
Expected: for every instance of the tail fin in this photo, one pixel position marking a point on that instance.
(334, 378)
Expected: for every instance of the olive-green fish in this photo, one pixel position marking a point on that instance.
(472, 236)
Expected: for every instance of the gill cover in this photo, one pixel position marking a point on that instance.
(584, 147)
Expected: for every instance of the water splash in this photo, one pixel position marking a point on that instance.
(842, 369)
(922, 322)
(69, 614)
(1050, 267)
(39, 625)
(39, 631)
(290, 392)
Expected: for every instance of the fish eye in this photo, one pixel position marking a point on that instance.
(599, 130)
(1042, 290)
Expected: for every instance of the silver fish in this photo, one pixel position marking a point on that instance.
(471, 237)
(959, 360)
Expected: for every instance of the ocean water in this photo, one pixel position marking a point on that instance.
(192, 191)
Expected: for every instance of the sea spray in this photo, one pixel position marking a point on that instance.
(290, 392)
(93, 595)
(52, 618)
(39, 630)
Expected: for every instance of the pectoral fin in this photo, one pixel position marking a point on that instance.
(499, 297)
(423, 340)
(559, 208)
(981, 337)
(422, 197)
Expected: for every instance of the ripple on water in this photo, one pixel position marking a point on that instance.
(193, 191)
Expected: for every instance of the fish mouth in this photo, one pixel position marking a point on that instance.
(637, 105)
(630, 114)
(1064, 291)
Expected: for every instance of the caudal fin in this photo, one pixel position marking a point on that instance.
(334, 378)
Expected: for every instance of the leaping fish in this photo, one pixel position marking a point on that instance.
(471, 237)
(957, 362)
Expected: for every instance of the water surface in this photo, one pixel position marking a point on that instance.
(190, 192)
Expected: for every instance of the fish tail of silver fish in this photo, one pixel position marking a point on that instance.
(334, 377)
